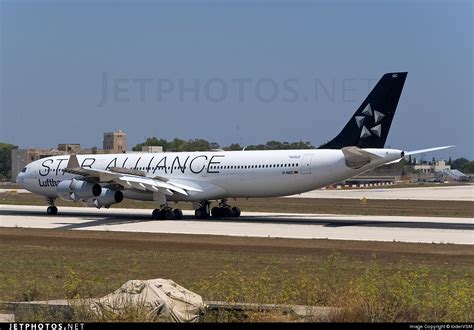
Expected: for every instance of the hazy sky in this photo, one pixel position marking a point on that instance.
(232, 71)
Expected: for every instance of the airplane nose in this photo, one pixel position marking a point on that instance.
(20, 178)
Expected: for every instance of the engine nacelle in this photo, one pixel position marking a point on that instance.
(106, 198)
(75, 190)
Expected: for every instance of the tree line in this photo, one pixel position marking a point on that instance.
(5, 160)
(203, 145)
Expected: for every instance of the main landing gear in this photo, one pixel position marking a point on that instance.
(203, 210)
(52, 209)
(167, 213)
(225, 211)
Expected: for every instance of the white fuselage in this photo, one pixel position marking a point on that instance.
(218, 175)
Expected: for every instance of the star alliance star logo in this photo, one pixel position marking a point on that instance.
(368, 112)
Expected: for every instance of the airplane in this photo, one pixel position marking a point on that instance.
(101, 180)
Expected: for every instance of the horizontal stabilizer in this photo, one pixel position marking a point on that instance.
(422, 151)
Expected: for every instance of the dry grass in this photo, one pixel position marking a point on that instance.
(372, 281)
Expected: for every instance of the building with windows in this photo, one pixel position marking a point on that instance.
(435, 167)
(71, 148)
(116, 141)
(152, 149)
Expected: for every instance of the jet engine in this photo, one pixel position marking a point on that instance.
(75, 190)
(106, 198)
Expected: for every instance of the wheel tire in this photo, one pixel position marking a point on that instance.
(168, 214)
(236, 211)
(178, 214)
(201, 213)
(52, 210)
(227, 212)
(198, 213)
(215, 212)
(157, 215)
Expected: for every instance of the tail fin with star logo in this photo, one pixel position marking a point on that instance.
(369, 126)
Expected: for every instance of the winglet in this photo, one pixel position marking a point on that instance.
(73, 162)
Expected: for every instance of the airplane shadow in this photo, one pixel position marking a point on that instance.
(97, 220)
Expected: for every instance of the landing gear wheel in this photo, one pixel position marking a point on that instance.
(201, 213)
(227, 212)
(52, 210)
(157, 214)
(168, 214)
(178, 214)
(236, 212)
(216, 212)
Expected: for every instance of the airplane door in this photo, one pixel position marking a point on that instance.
(306, 164)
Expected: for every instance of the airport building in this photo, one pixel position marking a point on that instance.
(114, 142)
(152, 149)
(434, 167)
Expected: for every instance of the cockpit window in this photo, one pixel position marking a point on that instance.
(23, 170)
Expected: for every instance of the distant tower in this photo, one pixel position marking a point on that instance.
(115, 141)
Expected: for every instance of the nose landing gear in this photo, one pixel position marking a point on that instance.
(52, 209)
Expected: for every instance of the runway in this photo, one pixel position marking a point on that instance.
(250, 224)
(452, 193)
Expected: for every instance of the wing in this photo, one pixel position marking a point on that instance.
(129, 179)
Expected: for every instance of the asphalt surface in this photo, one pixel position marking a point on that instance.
(250, 224)
(448, 193)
